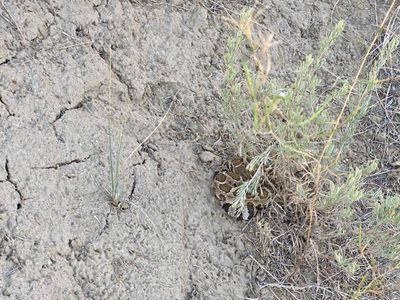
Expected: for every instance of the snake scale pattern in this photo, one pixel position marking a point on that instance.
(229, 177)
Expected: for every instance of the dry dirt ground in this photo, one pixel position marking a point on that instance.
(59, 236)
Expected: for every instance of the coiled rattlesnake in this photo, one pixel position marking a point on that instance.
(229, 177)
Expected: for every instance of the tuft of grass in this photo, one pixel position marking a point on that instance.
(114, 155)
(297, 135)
(115, 161)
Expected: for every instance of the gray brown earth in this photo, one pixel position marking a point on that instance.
(59, 236)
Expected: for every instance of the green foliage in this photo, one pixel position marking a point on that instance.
(383, 236)
(114, 155)
(114, 163)
(348, 264)
(342, 195)
(294, 126)
(387, 210)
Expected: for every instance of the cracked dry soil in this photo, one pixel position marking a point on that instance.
(59, 236)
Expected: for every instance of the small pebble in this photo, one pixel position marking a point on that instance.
(207, 148)
(207, 156)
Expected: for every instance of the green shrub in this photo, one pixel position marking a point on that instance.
(297, 136)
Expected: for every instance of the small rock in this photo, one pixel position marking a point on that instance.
(207, 156)
(110, 26)
(11, 223)
(261, 276)
(207, 148)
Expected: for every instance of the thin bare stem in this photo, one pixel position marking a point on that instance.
(150, 134)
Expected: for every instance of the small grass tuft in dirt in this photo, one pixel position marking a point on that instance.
(115, 161)
(323, 232)
(114, 155)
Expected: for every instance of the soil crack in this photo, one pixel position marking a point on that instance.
(65, 163)
(133, 188)
(65, 109)
(118, 76)
(7, 60)
(12, 182)
(104, 228)
(10, 114)
(58, 136)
